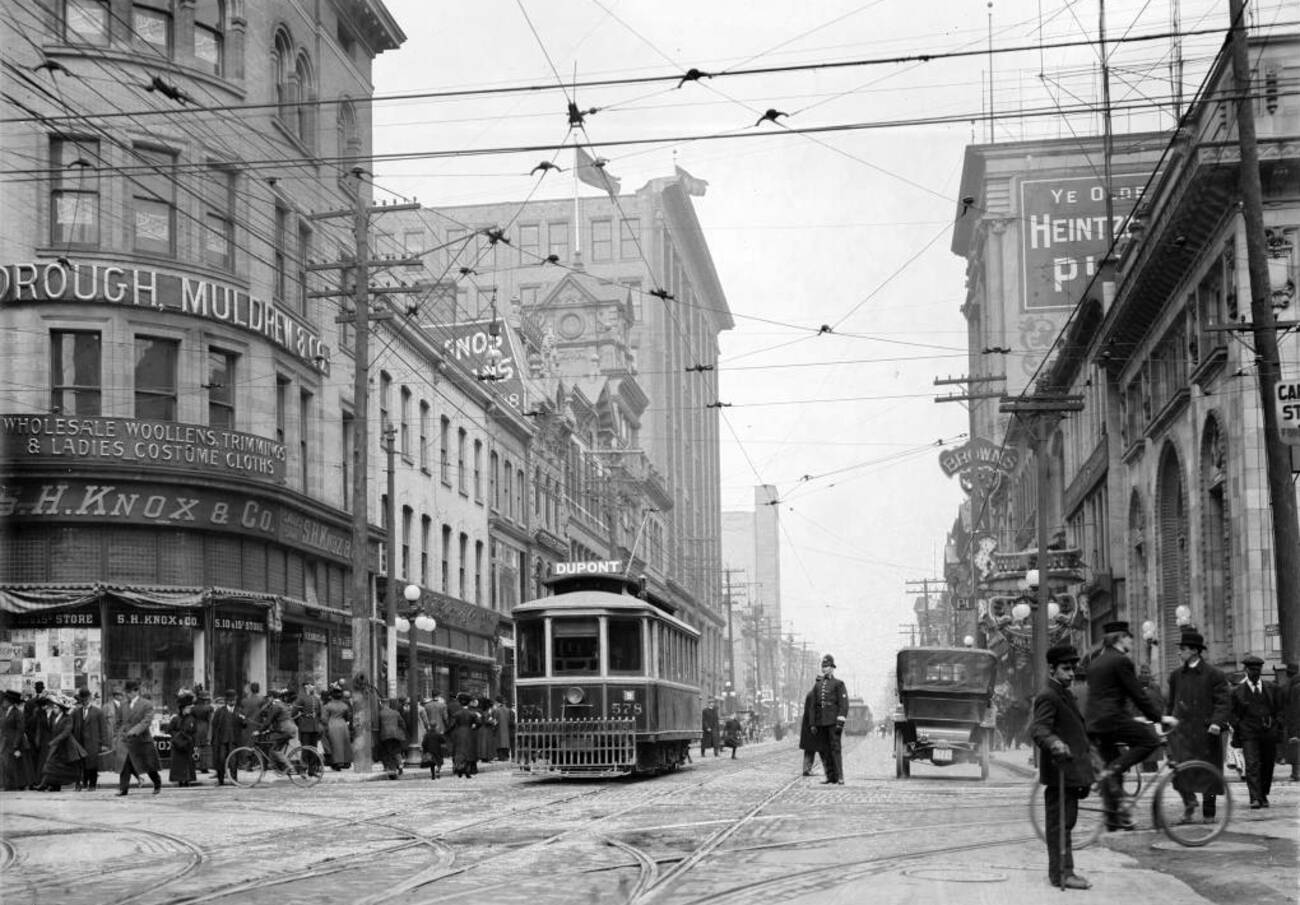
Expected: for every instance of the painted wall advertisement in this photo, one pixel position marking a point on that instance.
(1064, 233)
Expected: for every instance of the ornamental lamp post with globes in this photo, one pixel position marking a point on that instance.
(413, 622)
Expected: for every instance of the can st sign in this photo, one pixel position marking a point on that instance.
(1286, 396)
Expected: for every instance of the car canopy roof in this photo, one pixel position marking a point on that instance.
(958, 670)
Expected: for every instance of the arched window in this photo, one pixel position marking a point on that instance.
(349, 142)
(152, 24)
(285, 87)
(210, 35)
(305, 125)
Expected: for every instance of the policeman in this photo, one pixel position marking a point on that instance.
(830, 710)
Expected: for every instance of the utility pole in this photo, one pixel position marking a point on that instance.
(1042, 412)
(390, 561)
(1286, 526)
(731, 640)
(361, 606)
(924, 585)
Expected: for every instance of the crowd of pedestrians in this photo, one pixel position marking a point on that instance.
(49, 741)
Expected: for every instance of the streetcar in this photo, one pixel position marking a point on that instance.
(606, 677)
(859, 721)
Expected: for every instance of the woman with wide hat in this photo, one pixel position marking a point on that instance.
(63, 763)
(184, 729)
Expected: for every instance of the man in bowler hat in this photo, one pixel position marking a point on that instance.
(1256, 711)
(830, 700)
(1198, 697)
(136, 730)
(1112, 685)
(1064, 764)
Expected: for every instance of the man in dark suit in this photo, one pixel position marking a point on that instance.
(1112, 684)
(1198, 697)
(227, 732)
(830, 710)
(136, 731)
(1064, 764)
(307, 713)
(90, 729)
(251, 708)
(1256, 712)
(709, 728)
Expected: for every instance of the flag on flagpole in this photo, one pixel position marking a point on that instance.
(591, 171)
(690, 184)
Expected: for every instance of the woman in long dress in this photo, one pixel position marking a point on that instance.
(15, 755)
(63, 762)
(338, 731)
(464, 738)
(183, 728)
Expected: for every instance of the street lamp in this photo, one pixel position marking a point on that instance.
(413, 621)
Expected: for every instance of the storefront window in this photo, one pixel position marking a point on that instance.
(62, 650)
(238, 648)
(159, 648)
(301, 654)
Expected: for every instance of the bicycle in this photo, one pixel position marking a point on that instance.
(247, 764)
(1169, 813)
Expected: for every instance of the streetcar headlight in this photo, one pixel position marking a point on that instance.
(574, 695)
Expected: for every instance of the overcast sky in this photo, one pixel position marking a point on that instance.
(849, 229)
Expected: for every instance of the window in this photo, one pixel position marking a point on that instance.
(209, 35)
(444, 459)
(462, 479)
(518, 509)
(385, 399)
(506, 474)
(280, 254)
(634, 293)
(462, 563)
(494, 467)
(156, 377)
(349, 144)
(304, 438)
(528, 296)
(624, 645)
(426, 536)
(531, 658)
(346, 423)
(85, 22)
(154, 202)
(537, 492)
(424, 435)
(557, 238)
(75, 375)
(530, 243)
(412, 245)
(304, 255)
(404, 436)
(408, 519)
(218, 194)
(282, 384)
(602, 240)
(221, 389)
(305, 118)
(152, 23)
(629, 235)
(576, 646)
(478, 470)
(446, 559)
(286, 94)
(74, 193)
(478, 572)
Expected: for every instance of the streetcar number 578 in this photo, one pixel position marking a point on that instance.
(621, 708)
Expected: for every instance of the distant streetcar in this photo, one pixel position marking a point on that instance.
(859, 721)
(606, 678)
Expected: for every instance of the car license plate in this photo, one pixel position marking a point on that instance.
(942, 755)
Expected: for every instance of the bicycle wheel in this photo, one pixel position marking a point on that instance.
(1088, 826)
(245, 767)
(1192, 803)
(306, 767)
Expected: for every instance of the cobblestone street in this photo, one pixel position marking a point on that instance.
(750, 830)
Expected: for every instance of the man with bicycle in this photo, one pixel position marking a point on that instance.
(1112, 685)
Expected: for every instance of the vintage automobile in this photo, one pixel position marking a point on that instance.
(944, 714)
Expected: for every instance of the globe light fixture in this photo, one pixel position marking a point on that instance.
(969, 641)
(411, 592)
(1020, 612)
(1148, 631)
(1053, 610)
(1031, 578)
(414, 621)
(401, 624)
(1183, 614)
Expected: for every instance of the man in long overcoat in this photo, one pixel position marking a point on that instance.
(136, 731)
(227, 732)
(251, 708)
(808, 742)
(1256, 712)
(1198, 697)
(830, 710)
(1064, 763)
(15, 754)
(709, 737)
(90, 728)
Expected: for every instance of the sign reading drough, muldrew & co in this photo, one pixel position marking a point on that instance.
(47, 281)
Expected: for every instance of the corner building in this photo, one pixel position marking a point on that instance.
(172, 473)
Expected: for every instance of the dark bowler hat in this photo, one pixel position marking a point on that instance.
(83, 694)
(1062, 653)
(1192, 639)
(1251, 660)
(828, 660)
(1117, 626)
(1292, 668)
(14, 696)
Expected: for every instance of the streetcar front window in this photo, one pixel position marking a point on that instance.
(575, 647)
(625, 646)
(531, 651)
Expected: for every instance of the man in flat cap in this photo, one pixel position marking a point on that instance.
(1065, 764)
(1198, 697)
(1256, 711)
(830, 699)
(1112, 684)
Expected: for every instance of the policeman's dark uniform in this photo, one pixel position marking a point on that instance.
(830, 710)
